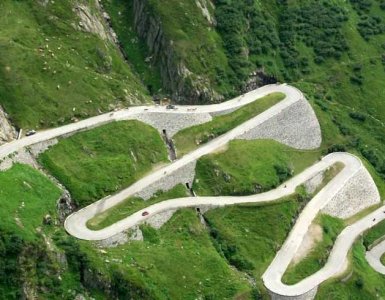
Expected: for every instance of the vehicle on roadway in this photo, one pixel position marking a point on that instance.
(30, 132)
(145, 213)
(170, 106)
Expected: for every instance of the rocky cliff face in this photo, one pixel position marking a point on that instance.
(7, 132)
(184, 85)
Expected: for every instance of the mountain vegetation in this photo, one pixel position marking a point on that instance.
(62, 61)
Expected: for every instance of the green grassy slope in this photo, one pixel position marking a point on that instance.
(333, 59)
(122, 19)
(362, 283)
(51, 72)
(42, 261)
(248, 236)
(176, 262)
(374, 234)
(26, 197)
(101, 161)
(30, 264)
(249, 167)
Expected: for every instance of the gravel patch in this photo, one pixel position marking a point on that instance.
(312, 237)
(23, 157)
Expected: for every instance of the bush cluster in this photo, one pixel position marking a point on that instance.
(323, 34)
(250, 34)
(245, 31)
(361, 6)
(230, 251)
(356, 77)
(370, 25)
(25, 262)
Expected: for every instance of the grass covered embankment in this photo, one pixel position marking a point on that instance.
(95, 163)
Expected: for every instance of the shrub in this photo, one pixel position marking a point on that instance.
(359, 283)
(336, 148)
(283, 172)
(358, 116)
(357, 80)
(241, 263)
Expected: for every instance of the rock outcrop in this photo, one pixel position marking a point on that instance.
(65, 205)
(184, 85)
(91, 22)
(7, 132)
(204, 6)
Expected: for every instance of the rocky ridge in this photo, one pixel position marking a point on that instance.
(183, 85)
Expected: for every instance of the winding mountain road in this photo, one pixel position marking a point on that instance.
(337, 261)
(292, 95)
(75, 224)
(374, 255)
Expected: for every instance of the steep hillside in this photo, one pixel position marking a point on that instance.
(97, 163)
(181, 40)
(31, 266)
(59, 63)
(337, 58)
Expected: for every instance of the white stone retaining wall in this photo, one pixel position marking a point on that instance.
(313, 183)
(307, 296)
(296, 126)
(158, 220)
(39, 148)
(173, 123)
(183, 175)
(23, 157)
(358, 193)
(224, 112)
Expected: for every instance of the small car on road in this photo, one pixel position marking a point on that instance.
(170, 106)
(145, 213)
(30, 132)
